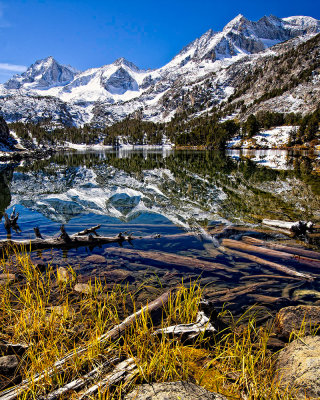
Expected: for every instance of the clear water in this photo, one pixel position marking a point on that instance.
(163, 193)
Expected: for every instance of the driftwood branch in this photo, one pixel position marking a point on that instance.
(113, 334)
(275, 254)
(273, 265)
(190, 331)
(287, 249)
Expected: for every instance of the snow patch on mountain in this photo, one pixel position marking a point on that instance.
(112, 92)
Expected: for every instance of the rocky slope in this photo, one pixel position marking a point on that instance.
(204, 74)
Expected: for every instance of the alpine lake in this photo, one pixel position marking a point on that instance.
(173, 202)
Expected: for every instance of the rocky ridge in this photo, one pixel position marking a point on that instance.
(206, 73)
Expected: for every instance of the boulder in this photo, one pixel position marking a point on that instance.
(8, 364)
(7, 278)
(83, 288)
(63, 275)
(172, 391)
(298, 367)
(290, 319)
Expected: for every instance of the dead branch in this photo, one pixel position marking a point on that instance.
(190, 331)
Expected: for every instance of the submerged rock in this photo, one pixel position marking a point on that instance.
(95, 259)
(298, 367)
(172, 391)
(295, 318)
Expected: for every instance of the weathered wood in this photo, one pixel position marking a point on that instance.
(278, 255)
(192, 330)
(298, 227)
(168, 259)
(113, 334)
(77, 240)
(37, 232)
(273, 265)
(280, 247)
(81, 382)
(123, 372)
(89, 230)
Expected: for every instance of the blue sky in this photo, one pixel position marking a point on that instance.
(88, 34)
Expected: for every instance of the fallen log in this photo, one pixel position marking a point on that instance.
(79, 383)
(113, 334)
(123, 372)
(168, 259)
(278, 255)
(231, 294)
(286, 249)
(298, 227)
(244, 278)
(82, 238)
(278, 267)
(63, 241)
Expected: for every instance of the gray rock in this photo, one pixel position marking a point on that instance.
(290, 319)
(172, 391)
(8, 364)
(298, 367)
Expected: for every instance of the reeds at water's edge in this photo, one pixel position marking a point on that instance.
(43, 311)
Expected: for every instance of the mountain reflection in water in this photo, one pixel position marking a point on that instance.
(160, 193)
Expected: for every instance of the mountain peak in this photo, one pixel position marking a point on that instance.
(236, 22)
(122, 61)
(43, 74)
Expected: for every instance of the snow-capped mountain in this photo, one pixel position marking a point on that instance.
(43, 74)
(110, 93)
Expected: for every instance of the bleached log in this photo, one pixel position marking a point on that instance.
(192, 330)
(298, 227)
(275, 254)
(81, 382)
(113, 334)
(280, 247)
(273, 265)
(123, 372)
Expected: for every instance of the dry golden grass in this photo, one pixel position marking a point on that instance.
(43, 311)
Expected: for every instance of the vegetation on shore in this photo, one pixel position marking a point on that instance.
(43, 311)
(206, 130)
